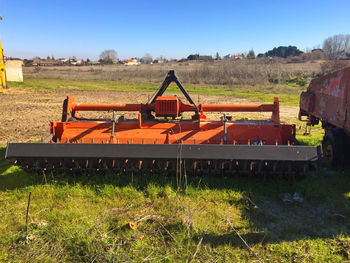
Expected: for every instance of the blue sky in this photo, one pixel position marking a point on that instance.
(174, 29)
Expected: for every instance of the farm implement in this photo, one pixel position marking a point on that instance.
(161, 139)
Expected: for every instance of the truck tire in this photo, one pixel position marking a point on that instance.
(334, 148)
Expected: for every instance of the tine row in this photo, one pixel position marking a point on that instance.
(191, 167)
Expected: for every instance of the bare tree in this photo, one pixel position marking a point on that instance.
(336, 46)
(109, 56)
(147, 59)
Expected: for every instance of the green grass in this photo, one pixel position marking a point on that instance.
(85, 218)
(313, 137)
(288, 93)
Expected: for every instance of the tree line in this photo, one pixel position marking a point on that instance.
(110, 56)
(337, 46)
(334, 47)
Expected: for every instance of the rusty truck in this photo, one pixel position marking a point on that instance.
(327, 100)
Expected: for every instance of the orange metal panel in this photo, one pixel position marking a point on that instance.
(167, 106)
(165, 131)
(237, 107)
(107, 107)
(211, 132)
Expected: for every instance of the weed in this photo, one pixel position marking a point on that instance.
(85, 218)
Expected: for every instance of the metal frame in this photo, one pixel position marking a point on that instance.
(163, 151)
(171, 77)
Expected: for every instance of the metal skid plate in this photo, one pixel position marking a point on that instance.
(163, 157)
(163, 151)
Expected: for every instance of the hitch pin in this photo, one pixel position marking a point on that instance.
(114, 120)
(224, 120)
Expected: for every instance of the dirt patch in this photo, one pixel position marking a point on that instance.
(26, 113)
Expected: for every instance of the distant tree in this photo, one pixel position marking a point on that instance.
(193, 57)
(314, 54)
(260, 55)
(284, 52)
(52, 57)
(336, 46)
(251, 54)
(48, 57)
(108, 56)
(147, 58)
(87, 60)
(217, 56)
(199, 57)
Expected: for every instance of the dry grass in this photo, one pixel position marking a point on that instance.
(244, 72)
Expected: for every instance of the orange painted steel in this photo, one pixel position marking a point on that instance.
(198, 130)
(107, 107)
(185, 132)
(183, 107)
(173, 107)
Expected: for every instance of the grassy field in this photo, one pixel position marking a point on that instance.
(223, 72)
(260, 80)
(288, 93)
(86, 218)
(152, 218)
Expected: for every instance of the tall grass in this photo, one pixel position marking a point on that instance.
(241, 72)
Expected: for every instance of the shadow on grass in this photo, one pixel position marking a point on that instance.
(323, 213)
(232, 239)
(12, 177)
